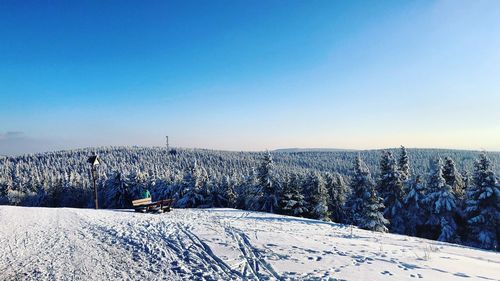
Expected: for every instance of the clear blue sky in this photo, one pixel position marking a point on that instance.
(249, 75)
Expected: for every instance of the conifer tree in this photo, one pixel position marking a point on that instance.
(445, 208)
(456, 180)
(228, 193)
(190, 193)
(371, 217)
(467, 179)
(391, 190)
(364, 204)
(285, 195)
(3, 191)
(483, 206)
(435, 183)
(211, 195)
(414, 208)
(269, 190)
(453, 178)
(249, 193)
(441, 206)
(404, 165)
(54, 194)
(115, 192)
(292, 201)
(317, 199)
(337, 195)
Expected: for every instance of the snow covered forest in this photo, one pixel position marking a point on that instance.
(446, 195)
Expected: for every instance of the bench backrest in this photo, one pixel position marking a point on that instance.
(139, 202)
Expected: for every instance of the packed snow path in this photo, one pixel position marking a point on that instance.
(219, 244)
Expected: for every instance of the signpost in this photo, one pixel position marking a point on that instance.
(94, 162)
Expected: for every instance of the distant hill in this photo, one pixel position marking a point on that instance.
(311, 149)
(159, 163)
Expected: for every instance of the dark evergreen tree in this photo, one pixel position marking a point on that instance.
(269, 189)
(317, 199)
(453, 178)
(404, 165)
(337, 195)
(435, 182)
(414, 208)
(483, 206)
(54, 193)
(441, 206)
(467, 179)
(228, 195)
(115, 192)
(372, 217)
(292, 201)
(445, 209)
(364, 204)
(211, 195)
(3, 192)
(190, 192)
(390, 185)
(249, 193)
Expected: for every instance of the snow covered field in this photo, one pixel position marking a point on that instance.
(218, 244)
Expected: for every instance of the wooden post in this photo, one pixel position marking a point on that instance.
(94, 174)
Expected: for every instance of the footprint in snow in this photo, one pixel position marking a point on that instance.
(386, 272)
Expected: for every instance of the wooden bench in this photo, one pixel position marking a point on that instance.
(147, 206)
(139, 202)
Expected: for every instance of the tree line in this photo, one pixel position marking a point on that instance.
(437, 200)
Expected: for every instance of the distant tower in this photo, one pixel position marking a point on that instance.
(170, 151)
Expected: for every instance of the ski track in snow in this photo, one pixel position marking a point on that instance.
(219, 244)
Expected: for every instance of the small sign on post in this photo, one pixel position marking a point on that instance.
(94, 162)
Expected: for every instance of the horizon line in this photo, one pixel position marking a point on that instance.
(290, 149)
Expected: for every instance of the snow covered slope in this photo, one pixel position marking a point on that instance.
(219, 244)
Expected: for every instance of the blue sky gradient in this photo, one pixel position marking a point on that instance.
(249, 75)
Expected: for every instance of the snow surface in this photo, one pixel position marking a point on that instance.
(218, 244)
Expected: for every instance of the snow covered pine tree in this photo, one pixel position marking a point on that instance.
(269, 199)
(292, 201)
(483, 206)
(364, 203)
(414, 209)
(404, 165)
(317, 196)
(337, 197)
(453, 178)
(190, 191)
(390, 186)
(441, 206)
